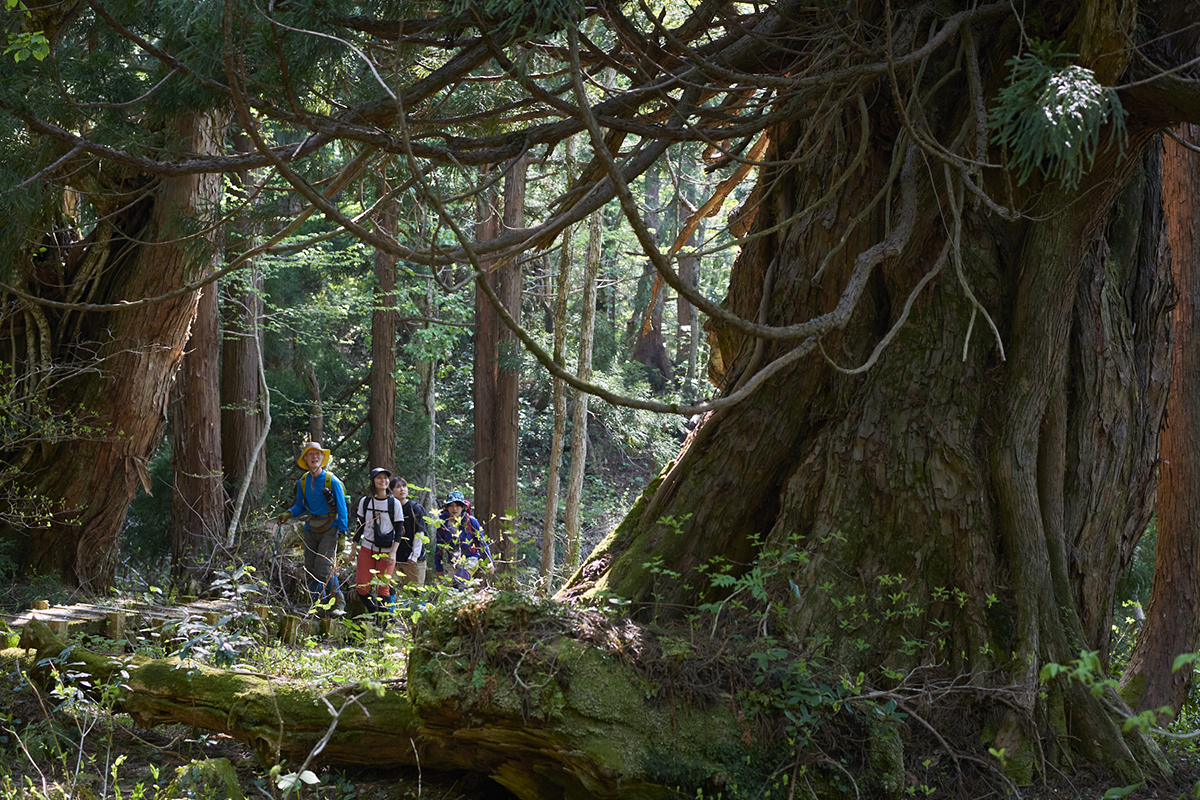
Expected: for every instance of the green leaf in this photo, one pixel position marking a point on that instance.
(1184, 659)
(1121, 792)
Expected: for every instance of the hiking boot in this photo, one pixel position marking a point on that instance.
(339, 606)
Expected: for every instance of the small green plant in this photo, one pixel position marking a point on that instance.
(1052, 113)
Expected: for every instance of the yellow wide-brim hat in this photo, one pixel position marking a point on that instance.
(312, 446)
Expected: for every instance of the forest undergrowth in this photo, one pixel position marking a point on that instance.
(69, 743)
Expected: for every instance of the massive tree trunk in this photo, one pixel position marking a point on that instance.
(1172, 625)
(138, 250)
(947, 513)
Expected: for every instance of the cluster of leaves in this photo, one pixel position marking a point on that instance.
(25, 44)
(1052, 114)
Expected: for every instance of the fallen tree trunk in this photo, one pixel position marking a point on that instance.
(499, 688)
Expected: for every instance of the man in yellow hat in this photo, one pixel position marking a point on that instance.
(321, 496)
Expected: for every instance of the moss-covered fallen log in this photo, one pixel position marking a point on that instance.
(503, 687)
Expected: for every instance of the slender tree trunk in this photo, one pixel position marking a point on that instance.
(503, 500)
(242, 420)
(686, 339)
(307, 374)
(687, 335)
(427, 406)
(241, 401)
(381, 442)
(198, 499)
(1172, 623)
(486, 363)
(579, 438)
(648, 348)
(558, 405)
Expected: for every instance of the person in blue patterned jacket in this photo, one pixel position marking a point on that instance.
(460, 543)
(321, 496)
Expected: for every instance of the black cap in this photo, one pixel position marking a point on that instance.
(378, 470)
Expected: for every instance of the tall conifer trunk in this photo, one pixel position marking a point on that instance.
(198, 499)
(485, 364)
(381, 442)
(497, 378)
(1172, 625)
(242, 419)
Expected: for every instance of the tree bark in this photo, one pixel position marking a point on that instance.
(496, 490)
(977, 488)
(198, 500)
(242, 419)
(138, 253)
(381, 442)
(579, 414)
(1172, 624)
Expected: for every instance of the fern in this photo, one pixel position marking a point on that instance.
(1050, 117)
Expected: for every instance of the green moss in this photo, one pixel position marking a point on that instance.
(1133, 692)
(1056, 717)
(885, 754)
(1019, 761)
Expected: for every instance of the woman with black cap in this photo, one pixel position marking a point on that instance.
(377, 543)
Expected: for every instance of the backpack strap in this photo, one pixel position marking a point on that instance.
(330, 503)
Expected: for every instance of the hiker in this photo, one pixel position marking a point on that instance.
(411, 555)
(460, 543)
(321, 496)
(376, 541)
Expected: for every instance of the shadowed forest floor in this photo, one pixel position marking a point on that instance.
(106, 755)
